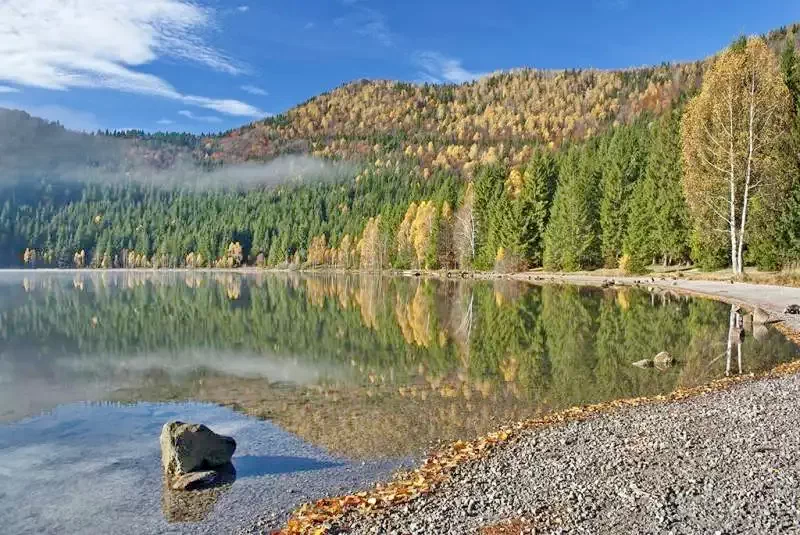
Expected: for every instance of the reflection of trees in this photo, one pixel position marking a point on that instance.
(459, 355)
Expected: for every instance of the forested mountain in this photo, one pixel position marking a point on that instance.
(568, 169)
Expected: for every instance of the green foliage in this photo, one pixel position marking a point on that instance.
(534, 204)
(623, 165)
(571, 240)
(658, 217)
(489, 194)
(788, 238)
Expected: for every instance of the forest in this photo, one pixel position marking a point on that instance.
(689, 164)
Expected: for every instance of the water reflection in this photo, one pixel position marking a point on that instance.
(364, 366)
(197, 505)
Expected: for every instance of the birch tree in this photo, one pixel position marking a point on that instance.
(465, 229)
(733, 135)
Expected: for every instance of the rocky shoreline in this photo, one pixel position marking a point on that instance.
(726, 461)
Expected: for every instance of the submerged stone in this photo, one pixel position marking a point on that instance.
(191, 447)
(204, 479)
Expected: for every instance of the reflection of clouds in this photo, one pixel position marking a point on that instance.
(95, 468)
(29, 388)
(254, 365)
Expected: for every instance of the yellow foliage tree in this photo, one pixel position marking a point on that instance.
(733, 133)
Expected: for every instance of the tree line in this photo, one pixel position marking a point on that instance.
(713, 181)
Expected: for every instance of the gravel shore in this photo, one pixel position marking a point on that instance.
(727, 462)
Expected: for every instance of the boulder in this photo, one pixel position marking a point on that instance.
(663, 360)
(760, 316)
(644, 363)
(204, 479)
(195, 480)
(193, 447)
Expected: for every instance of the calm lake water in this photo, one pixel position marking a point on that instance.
(327, 382)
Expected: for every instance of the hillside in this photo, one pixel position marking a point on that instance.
(458, 127)
(568, 169)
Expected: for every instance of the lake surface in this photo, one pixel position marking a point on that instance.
(328, 382)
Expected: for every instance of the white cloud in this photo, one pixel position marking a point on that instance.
(60, 45)
(438, 68)
(165, 121)
(254, 90)
(309, 26)
(374, 26)
(201, 118)
(8, 89)
(243, 9)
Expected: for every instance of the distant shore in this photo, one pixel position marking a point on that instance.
(755, 293)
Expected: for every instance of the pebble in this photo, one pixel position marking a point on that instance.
(686, 467)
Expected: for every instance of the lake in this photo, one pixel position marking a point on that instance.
(329, 382)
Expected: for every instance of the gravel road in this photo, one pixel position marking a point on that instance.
(725, 462)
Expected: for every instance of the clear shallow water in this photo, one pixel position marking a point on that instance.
(334, 371)
(95, 468)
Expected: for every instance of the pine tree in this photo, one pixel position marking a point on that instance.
(534, 203)
(789, 219)
(623, 165)
(489, 189)
(571, 240)
(641, 247)
(666, 168)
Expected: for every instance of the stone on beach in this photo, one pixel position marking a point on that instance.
(191, 447)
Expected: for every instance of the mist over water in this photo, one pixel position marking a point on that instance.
(34, 150)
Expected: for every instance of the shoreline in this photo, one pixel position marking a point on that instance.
(437, 470)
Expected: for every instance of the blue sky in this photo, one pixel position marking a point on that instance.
(210, 65)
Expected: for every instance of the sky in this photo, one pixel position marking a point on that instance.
(210, 65)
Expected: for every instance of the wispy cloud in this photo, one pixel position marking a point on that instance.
(243, 9)
(60, 45)
(165, 122)
(309, 26)
(375, 26)
(8, 89)
(438, 68)
(202, 118)
(367, 22)
(254, 90)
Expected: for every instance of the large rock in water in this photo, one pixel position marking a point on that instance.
(191, 447)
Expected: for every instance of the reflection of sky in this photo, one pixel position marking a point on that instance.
(95, 468)
(29, 388)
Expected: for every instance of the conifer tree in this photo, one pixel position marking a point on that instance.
(789, 219)
(571, 240)
(623, 164)
(534, 203)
